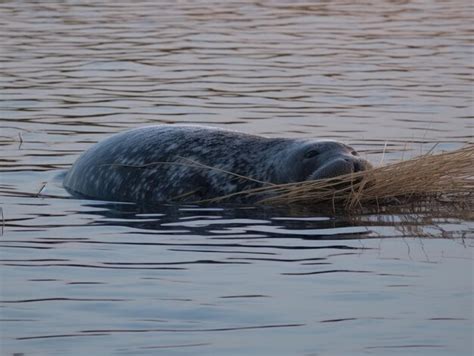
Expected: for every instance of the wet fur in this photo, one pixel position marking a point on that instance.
(189, 163)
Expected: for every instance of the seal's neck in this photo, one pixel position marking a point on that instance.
(281, 161)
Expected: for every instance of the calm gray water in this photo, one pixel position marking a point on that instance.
(81, 277)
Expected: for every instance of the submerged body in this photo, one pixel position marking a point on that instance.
(167, 163)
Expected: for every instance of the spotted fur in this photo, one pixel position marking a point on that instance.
(167, 163)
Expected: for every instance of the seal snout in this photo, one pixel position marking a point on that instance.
(338, 166)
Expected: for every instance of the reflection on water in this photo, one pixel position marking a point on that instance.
(203, 278)
(391, 78)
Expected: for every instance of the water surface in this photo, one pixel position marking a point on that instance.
(392, 78)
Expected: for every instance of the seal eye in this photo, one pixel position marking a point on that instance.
(355, 153)
(311, 154)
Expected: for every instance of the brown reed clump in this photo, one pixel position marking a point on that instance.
(445, 178)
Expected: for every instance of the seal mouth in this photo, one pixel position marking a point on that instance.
(339, 167)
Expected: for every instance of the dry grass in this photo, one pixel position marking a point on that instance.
(445, 178)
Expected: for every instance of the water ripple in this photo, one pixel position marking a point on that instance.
(392, 78)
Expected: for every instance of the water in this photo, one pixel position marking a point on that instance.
(85, 277)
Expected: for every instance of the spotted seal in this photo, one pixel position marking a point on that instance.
(167, 163)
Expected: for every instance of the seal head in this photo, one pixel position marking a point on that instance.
(327, 159)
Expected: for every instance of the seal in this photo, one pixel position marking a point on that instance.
(185, 163)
